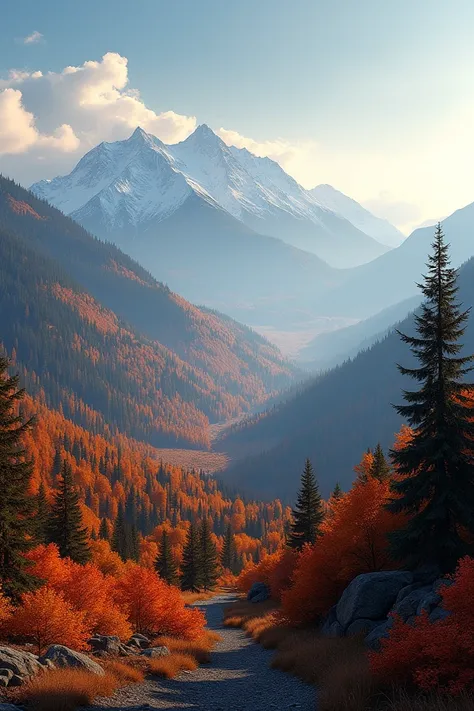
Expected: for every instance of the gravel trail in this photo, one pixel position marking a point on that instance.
(239, 678)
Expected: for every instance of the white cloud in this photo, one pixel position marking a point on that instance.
(72, 110)
(34, 38)
(18, 132)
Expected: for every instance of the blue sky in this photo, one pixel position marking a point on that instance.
(374, 97)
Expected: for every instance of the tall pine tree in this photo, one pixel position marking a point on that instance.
(165, 565)
(65, 527)
(436, 486)
(41, 516)
(104, 532)
(380, 468)
(209, 563)
(308, 513)
(191, 565)
(229, 559)
(16, 506)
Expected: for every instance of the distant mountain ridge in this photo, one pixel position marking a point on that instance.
(100, 335)
(134, 184)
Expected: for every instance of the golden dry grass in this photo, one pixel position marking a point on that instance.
(242, 613)
(171, 665)
(124, 673)
(66, 689)
(192, 597)
(199, 648)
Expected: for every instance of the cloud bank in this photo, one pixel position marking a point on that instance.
(44, 117)
(34, 38)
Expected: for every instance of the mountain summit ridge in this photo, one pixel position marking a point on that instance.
(130, 183)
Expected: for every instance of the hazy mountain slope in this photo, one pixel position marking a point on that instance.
(334, 347)
(127, 186)
(393, 276)
(361, 218)
(333, 420)
(242, 364)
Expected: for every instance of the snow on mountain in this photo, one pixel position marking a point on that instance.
(343, 205)
(131, 183)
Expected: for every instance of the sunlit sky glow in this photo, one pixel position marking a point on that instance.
(375, 98)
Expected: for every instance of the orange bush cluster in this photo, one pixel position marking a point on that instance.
(275, 570)
(435, 656)
(79, 600)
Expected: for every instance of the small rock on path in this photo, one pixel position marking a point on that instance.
(239, 678)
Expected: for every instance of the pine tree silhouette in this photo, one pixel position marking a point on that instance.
(16, 506)
(65, 528)
(308, 513)
(436, 486)
(165, 565)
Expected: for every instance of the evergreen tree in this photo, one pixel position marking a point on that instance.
(16, 506)
(104, 533)
(133, 541)
(337, 492)
(209, 560)
(191, 565)
(229, 559)
(436, 487)
(120, 543)
(380, 468)
(164, 564)
(65, 527)
(308, 513)
(42, 514)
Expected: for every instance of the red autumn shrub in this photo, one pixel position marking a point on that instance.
(154, 607)
(354, 541)
(435, 656)
(45, 617)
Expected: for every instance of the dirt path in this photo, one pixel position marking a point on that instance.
(239, 678)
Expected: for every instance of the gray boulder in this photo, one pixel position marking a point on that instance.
(62, 656)
(409, 604)
(362, 627)
(259, 592)
(23, 664)
(5, 676)
(439, 613)
(139, 641)
(371, 595)
(110, 644)
(428, 602)
(155, 652)
(377, 634)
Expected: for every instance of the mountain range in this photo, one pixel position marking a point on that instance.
(219, 225)
(111, 346)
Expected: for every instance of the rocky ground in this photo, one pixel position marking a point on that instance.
(239, 678)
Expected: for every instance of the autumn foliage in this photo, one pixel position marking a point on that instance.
(435, 656)
(275, 570)
(154, 607)
(354, 541)
(45, 617)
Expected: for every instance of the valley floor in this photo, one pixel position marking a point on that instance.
(239, 678)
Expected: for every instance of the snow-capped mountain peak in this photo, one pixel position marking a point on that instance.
(140, 179)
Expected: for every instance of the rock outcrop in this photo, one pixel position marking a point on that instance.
(368, 603)
(62, 656)
(259, 592)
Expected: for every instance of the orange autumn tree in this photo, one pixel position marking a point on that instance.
(154, 607)
(85, 588)
(45, 617)
(436, 656)
(354, 541)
